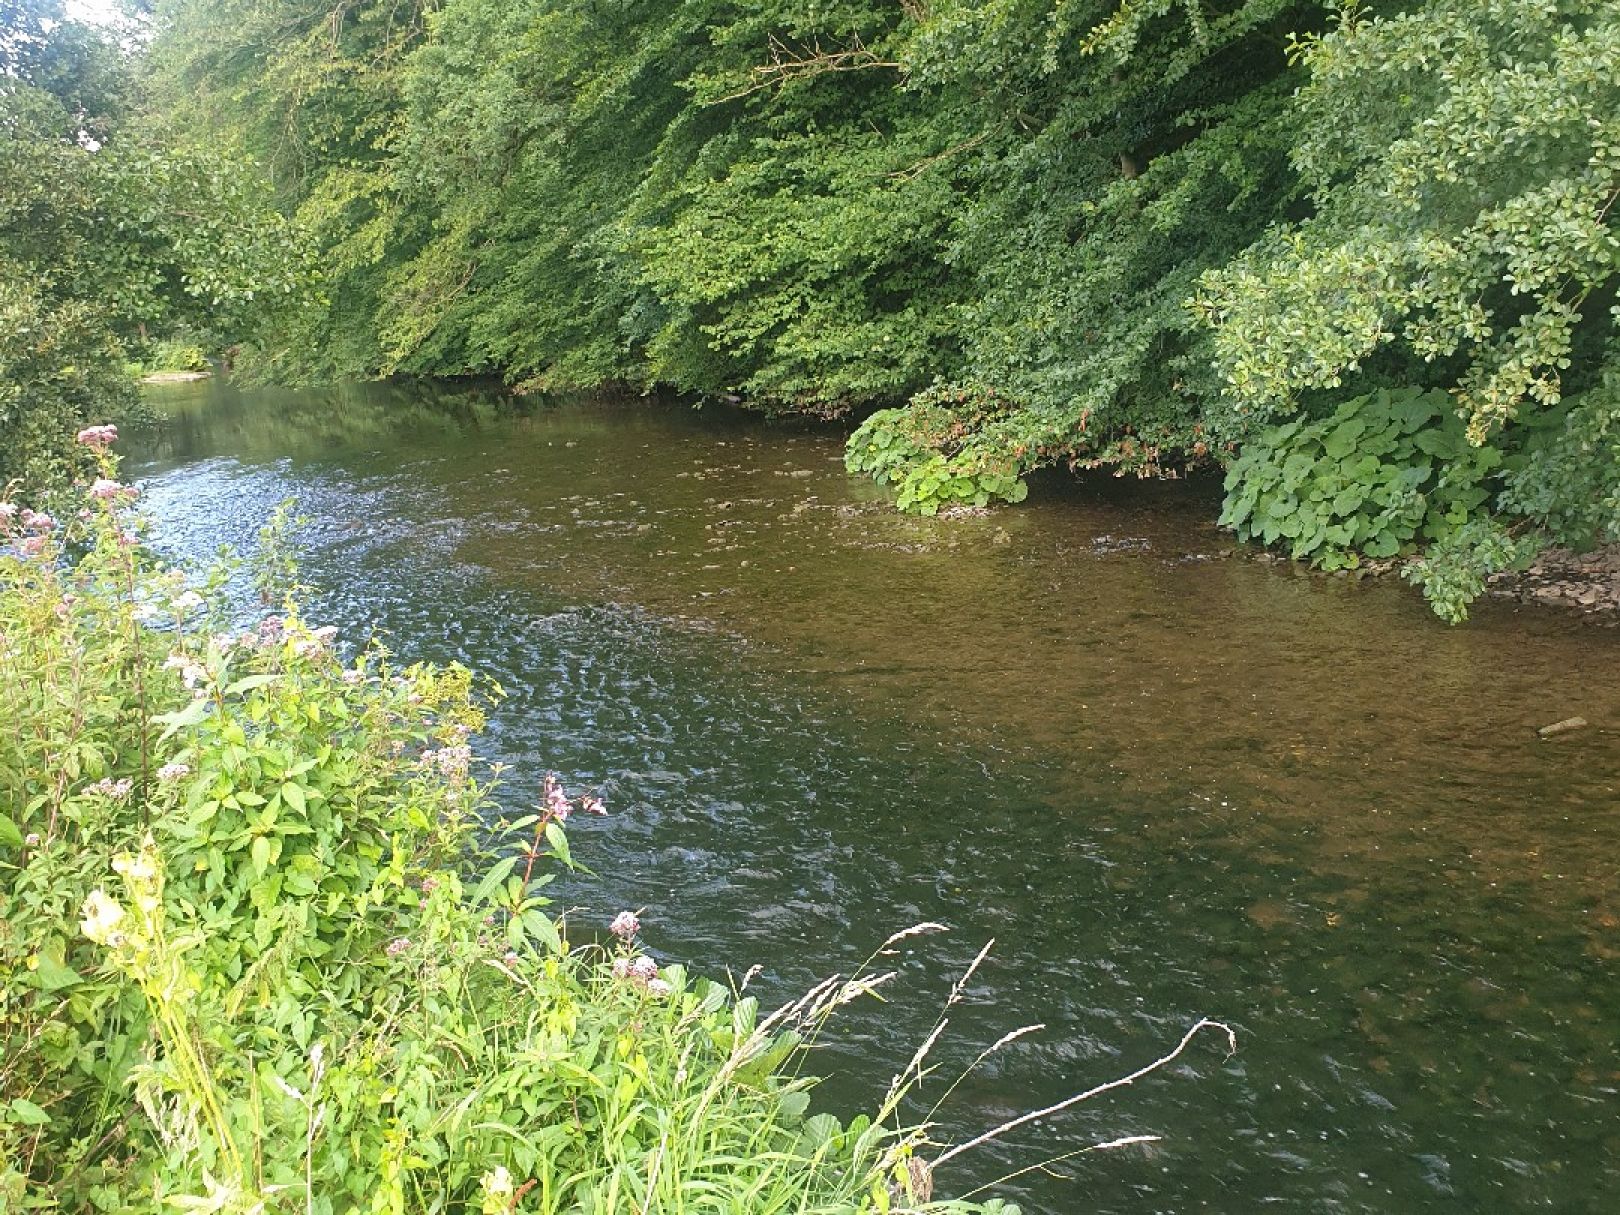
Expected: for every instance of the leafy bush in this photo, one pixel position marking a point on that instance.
(928, 452)
(173, 354)
(1380, 474)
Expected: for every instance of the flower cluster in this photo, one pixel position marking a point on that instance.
(557, 805)
(315, 642)
(451, 762)
(173, 772)
(98, 438)
(118, 790)
(625, 925)
(641, 972)
(192, 672)
(105, 489)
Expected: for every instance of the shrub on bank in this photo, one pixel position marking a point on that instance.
(260, 951)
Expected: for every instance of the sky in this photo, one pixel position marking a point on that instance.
(99, 11)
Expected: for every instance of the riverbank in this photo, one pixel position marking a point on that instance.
(1585, 582)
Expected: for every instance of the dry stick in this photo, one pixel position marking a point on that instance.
(1036, 1115)
(1045, 1166)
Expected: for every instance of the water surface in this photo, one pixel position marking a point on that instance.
(1167, 782)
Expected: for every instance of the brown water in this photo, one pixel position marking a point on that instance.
(1168, 782)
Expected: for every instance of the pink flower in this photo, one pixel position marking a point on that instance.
(557, 804)
(625, 925)
(174, 771)
(621, 968)
(593, 805)
(107, 490)
(37, 521)
(118, 790)
(658, 989)
(644, 969)
(98, 437)
(397, 946)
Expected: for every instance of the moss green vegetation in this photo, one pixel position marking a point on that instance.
(261, 951)
(1140, 235)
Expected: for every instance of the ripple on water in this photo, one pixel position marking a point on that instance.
(1165, 787)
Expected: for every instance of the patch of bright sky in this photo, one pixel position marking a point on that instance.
(100, 12)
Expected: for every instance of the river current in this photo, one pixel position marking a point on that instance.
(1168, 781)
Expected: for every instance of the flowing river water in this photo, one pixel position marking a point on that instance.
(1168, 782)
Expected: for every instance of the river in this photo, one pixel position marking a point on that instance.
(1166, 781)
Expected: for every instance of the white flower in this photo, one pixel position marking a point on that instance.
(103, 918)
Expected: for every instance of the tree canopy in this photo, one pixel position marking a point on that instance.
(1143, 235)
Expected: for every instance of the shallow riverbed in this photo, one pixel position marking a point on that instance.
(1167, 782)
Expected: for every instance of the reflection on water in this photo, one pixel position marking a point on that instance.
(1168, 782)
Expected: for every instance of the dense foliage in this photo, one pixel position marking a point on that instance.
(1132, 234)
(107, 239)
(259, 952)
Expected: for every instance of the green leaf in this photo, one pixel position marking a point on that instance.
(10, 834)
(26, 1113)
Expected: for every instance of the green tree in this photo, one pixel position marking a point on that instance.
(106, 238)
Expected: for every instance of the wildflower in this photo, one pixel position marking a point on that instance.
(557, 803)
(353, 677)
(137, 868)
(429, 885)
(34, 545)
(449, 761)
(593, 805)
(31, 840)
(644, 969)
(511, 958)
(8, 511)
(499, 1194)
(658, 989)
(118, 790)
(174, 771)
(105, 489)
(625, 925)
(98, 437)
(37, 521)
(190, 601)
(192, 672)
(621, 968)
(102, 920)
(397, 946)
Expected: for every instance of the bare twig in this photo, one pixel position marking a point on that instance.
(789, 63)
(1036, 1115)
